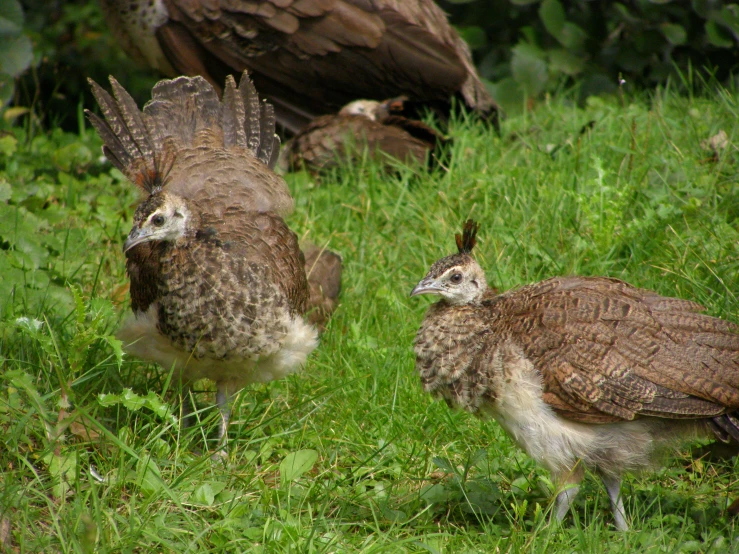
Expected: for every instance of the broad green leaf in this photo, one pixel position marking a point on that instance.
(297, 463)
(107, 400)
(206, 493)
(8, 146)
(443, 464)
(203, 495)
(73, 156)
(435, 494)
(148, 475)
(552, 14)
(509, 95)
(529, 70)
(16, 54)
(718, 36)
(674, 33)
(155, 404)
(116, 346)
(729, 18)
(11, 14)
(132, 401)
(572, 36)
(474, 36)
(564, 61)
(63, 471)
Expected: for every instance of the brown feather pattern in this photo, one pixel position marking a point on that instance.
(218, 281)
(309, 57)
(578, 369)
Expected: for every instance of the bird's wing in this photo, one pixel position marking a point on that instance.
(332, 139)
(608, 351)
(259, 243)
(305, 55)
(210, 150)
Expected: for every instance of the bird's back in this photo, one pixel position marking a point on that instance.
(309, 57)
(605, 351)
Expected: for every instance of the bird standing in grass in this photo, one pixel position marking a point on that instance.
(218, 282)
(308, 57)
(362, 127)
(582, 372)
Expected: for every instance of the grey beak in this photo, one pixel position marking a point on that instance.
(426, 286)
(136, 236)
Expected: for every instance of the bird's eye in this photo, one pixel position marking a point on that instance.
(158, 220)
(456, 278)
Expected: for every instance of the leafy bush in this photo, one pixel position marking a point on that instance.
(527, 47)
(72, 43)
(15, 46)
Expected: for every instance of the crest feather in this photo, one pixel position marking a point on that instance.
(468, 239)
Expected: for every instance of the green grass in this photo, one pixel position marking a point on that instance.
(350, 455)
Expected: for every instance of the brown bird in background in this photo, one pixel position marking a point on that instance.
(362, 127)
(308, 57)
(580, 371)
(218, 282)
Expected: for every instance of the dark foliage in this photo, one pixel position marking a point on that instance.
(527, 47)
(522, 47)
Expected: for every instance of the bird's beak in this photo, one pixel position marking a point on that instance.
(136, 236)
(426, 286)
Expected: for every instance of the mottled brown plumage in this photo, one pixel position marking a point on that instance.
(361, 128)
(309, 57)
(218, 282)
(578, 370)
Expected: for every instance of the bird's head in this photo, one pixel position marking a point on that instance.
(458, 278)
(161, 217)
(371, 109)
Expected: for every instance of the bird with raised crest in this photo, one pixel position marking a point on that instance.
(362, 127)
(581, 372)
(308, 57)
(218, 282)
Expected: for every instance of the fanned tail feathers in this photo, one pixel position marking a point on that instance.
(182, 112)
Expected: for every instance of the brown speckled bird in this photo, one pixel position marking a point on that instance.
(308, 57)
(362, 127)
(580, 371)
(218, 282)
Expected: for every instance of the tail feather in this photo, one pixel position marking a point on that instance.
(253, 113)
(180, 108)
(183, 112)
(269, 141)
(127, 139)
(138, 131)
(234, 133)
(118, 146)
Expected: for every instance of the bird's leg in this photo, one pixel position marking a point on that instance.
(223, 398)
(613, 486)
(187, 408)
(568, 483)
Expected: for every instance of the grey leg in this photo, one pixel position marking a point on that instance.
(187, 407)
(613, 486)
(564, 501)
(568, 483)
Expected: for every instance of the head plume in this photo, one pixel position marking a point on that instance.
(468, 239)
